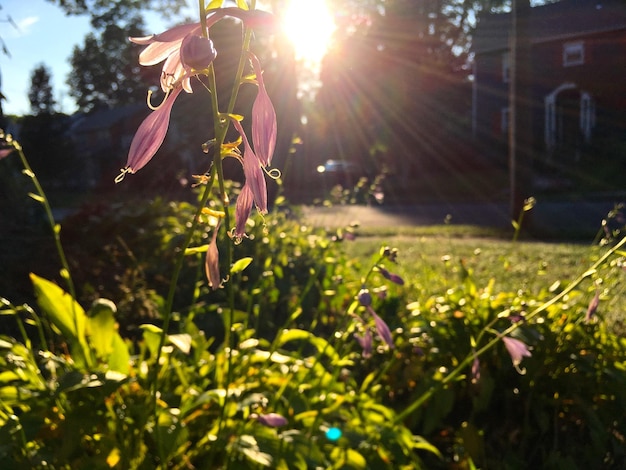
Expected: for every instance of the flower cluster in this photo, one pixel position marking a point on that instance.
(186, 52)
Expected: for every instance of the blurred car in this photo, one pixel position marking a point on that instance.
(340, 172)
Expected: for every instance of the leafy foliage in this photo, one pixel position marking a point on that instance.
(85, 396)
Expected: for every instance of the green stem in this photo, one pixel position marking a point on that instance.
(470, 357)
(56, 228)
(167, 314)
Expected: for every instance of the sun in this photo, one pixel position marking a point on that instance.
(309, 25)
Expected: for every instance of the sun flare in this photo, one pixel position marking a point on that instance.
(309, 25)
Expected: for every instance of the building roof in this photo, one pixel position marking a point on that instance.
(561, 20)
(105, 118)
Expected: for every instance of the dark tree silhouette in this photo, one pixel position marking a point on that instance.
(105, 71)
(40, 93)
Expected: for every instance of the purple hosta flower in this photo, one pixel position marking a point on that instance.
(366, 342)
(242, 211)
(593, 307)
(390, 276)
(272, 420)
(149, 136)
(165, 47)
(212, 262)
(381, 328)
(264, 127)
(184, 52)
(517, 350)
(365, 298)
(254, 189)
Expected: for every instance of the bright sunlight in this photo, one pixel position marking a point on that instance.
(309, 25)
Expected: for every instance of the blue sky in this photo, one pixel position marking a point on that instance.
(44, 35)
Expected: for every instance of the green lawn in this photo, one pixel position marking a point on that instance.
(435, 259)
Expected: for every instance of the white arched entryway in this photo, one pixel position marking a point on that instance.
(570, 117)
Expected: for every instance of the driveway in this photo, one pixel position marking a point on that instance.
(548, 218)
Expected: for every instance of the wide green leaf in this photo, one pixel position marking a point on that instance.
(102, 327)
(66, 315)
(64, 312)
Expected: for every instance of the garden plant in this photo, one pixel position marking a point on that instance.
(215, 337)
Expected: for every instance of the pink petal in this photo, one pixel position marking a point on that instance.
(366, 343)
(150, 135)
(242, 210)
(211, 263)
(177, 32)
(172, 70)
(381, 328)
(273, 420)
(158, 52)
(253, 172)
(144, 40)
(264, 128)
(516, 349)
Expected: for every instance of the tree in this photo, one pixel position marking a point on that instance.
(107, 12)
(40, 94)
(105, 71)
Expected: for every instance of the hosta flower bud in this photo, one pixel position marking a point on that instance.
(197, 52)
(365, 298)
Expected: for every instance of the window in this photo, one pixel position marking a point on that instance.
(506, 67)
(573, 53)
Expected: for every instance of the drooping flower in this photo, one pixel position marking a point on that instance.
(264, 128)
(365, 340)
(517, 350)
(212, 262)
(390, 276)
(381, 328)
(254, 189)
(272, 420)
(242, 211)
(150, 135)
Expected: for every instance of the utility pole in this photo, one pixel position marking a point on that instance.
(520, 109)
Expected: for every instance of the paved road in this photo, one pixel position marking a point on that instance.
(549, 218)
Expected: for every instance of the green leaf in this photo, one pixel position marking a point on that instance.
(320, 344)
(196, 249)
(101, 324)
(152, 337)
(119, 359)
(240, 265)
(66, 314)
